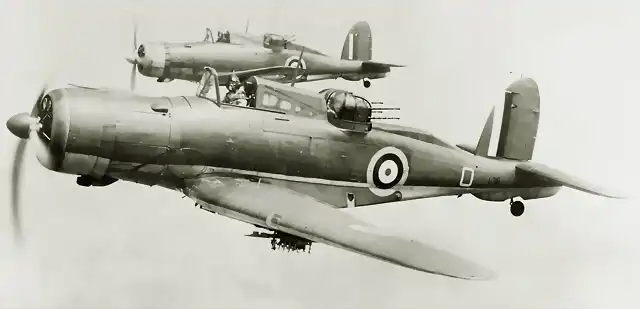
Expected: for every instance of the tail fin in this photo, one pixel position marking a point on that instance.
(358, 44)
(482, 148)
(519, 120)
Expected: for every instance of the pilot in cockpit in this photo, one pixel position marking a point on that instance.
(235, 94)
(224, 37)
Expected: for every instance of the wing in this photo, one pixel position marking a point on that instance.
(294, 213)
(275, 70)
(556, 176)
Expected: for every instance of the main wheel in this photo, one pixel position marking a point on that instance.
(366, 83)
(517, 208)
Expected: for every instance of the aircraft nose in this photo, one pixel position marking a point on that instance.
(139, 55)
(20, 125)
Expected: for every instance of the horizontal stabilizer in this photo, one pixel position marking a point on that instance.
(561, 178)
(378, 67)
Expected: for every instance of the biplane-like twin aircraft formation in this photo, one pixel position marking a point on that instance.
(285, 159)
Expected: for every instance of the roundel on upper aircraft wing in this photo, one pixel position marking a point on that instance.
(293, 62)
(388, 168)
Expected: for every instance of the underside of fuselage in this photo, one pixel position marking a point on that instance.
(337, 194)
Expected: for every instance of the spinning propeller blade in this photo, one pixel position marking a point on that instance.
(134, 59)
(21, 125)
(295, 73)
(132, 78)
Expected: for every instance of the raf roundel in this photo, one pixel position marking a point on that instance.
(388, 168)
(293, 62)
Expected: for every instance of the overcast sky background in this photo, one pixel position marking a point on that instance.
(130, 246)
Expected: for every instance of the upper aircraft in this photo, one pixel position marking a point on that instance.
(290, 160)
(271, 56)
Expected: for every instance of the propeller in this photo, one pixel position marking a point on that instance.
(134, 60)
(23, 126)
(295, 72)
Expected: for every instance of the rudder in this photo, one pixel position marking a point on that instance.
(519, 120)
(358, 44)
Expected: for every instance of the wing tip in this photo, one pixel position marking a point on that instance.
(481, 274)
(464, 269)
(618, 196)
(478, 274)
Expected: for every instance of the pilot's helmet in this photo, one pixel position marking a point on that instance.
(234, 83)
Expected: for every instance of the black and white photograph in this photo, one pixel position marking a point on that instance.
(319, 154)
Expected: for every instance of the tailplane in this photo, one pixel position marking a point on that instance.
(519, 120)
(358, 44)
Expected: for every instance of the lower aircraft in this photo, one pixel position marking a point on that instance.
(289, 161)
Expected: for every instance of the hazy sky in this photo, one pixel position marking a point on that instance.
(129, 246)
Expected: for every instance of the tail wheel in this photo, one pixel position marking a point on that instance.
(517, 208)
(367, 83)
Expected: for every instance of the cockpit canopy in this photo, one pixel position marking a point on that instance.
(272, 40)
(222, 37)
(347, 111)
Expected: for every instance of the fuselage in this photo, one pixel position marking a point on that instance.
(186, 61)
(121, 136)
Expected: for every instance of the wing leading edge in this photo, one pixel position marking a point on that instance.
(261, 71)
(300, 215)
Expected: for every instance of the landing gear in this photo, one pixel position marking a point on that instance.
(517, 208)
(366, 83)
(84, 181)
